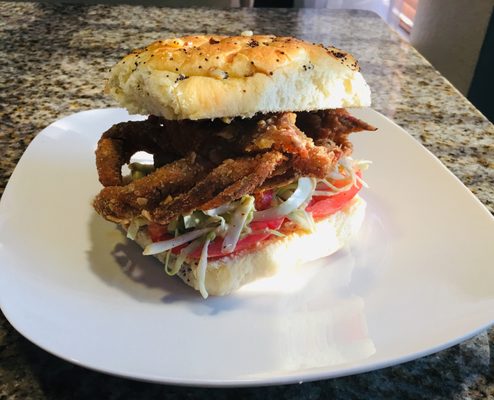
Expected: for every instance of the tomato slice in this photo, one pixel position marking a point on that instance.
(322, 207)
(268, 224)
(158, 232)
(263, 199)
(248, 242)
(214, 249)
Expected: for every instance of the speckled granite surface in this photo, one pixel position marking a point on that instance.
(53, 63)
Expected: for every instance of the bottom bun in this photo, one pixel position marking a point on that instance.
(227, 274)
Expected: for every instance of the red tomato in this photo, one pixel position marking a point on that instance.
(250, 241)
(339, 183)
(263, 199)
(158, 232)
(268, 224)
(214, 249)
(322, 207)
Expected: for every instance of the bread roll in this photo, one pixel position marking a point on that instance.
(209, 76)
(227, 274)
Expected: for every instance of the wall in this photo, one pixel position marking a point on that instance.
(450, 33)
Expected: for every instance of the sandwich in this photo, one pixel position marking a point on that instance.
(251, 168)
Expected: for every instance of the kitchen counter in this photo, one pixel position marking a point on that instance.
(54, 59)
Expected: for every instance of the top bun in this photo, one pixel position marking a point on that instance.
(210, 76)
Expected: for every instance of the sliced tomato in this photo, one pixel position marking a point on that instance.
(263, 199)
(268, 224)
(248, 242)
(158, 232)
(214, 249)
(322, 206)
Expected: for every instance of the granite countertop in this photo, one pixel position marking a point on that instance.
(54, 61)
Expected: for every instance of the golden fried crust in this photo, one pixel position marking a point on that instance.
(210, 76)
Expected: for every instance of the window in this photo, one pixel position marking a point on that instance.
(405, 11)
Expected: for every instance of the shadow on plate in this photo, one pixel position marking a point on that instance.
(119, 262)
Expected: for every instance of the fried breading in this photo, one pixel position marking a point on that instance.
(332, 125)
(218, 161)
(227, 182)
(122, 203)
(119, 143)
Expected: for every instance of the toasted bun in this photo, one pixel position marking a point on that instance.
(196, 77)
(227, 274)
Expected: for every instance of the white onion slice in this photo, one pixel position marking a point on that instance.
(159, 247)
(237, 224)
(303, 192)
(213, 212)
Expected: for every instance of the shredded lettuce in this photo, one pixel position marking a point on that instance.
(167, 260)
(347, 168)
(202, 265)
(160, 247)
(237, 224)
(275, 233)
(182, 256)
(168, 255)
(134, 226)
(305, 188)
(139, 170)
(232, 221)
(194, 220)
(303, 219)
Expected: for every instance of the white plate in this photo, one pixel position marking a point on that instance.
(418, 279)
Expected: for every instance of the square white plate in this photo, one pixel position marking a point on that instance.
(418, 278)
